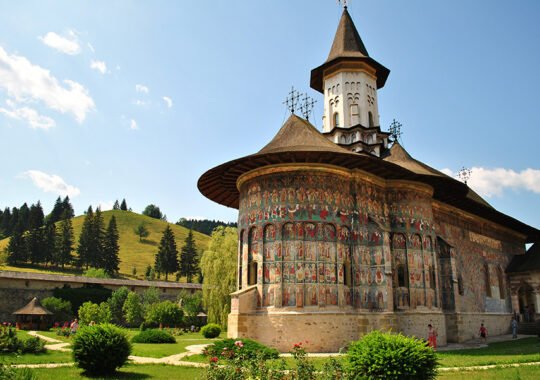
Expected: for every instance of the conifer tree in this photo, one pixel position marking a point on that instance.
(36, 217)
(98, 238)
(6, 222)
(116, 205)
(17, 250)
(167, 256)
(111, 248)
(23, 216)
(65, 242)
(49, 243)
(123, 206)
(14, 221)
(35, 246)
(188, 258)
(67, 208)
(85, 239)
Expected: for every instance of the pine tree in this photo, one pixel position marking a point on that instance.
(24, 216)
(56, 212)
(111, 248)
(116, 205)
(85, 239)
(6, 222)
(167, 256)
(67, 209)
(65, 242)
(17, 250)
(123, 206)
(34, 241)
(98, 235)
(49, 242)
(188, 258)
(36, 217)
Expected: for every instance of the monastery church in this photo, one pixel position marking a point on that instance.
(343, 232)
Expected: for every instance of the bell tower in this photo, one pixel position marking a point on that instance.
(349, 80)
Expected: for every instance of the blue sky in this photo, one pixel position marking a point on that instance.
(103, 100)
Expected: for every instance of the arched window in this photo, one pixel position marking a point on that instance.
(487, 280)
(500, 277)
(432, 277)
(354, 114)
(336, 119)
(401, 276)
(240, 259)
(252, 256)
(370, 118)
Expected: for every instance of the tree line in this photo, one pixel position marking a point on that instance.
(26, 218)
(53, 243)
(205, 226)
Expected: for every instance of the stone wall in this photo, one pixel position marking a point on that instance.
(467, 325)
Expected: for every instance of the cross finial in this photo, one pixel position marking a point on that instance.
(291, 101)
(395, 130)
(344, 2)
(464, 174)
(307, 106)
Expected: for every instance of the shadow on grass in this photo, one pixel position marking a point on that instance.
(116, 375)
(148, 242)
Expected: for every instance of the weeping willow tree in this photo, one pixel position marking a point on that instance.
(218, 266)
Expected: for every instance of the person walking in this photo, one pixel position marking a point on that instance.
(432, 337)
(514, 326)
(483, 332)
(74, 326)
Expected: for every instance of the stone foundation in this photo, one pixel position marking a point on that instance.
(466, 326)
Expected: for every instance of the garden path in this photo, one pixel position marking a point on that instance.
(57, 346)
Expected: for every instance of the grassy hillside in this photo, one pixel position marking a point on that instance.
(132, 252)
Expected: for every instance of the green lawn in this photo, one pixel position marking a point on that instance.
(46, 357)
(519, 373)
(127, 372)
(516, 351)
(52, 334)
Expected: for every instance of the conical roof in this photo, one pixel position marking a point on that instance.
(297, 135)
(33, 308)
(347, 41)
(348, 50)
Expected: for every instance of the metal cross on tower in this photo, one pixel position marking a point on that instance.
(395, 130)
(292, 100)
(464, 174)
(344, 2)
(307, 106)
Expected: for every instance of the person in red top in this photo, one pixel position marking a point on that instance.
(483, 332)
(432, 337)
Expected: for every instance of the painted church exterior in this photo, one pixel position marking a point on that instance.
(343, 232)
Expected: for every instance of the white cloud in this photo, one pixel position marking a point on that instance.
(99, 66)
(30, 115)
(66, 45)
(141, 88)
(51, 183)
(167, 101)
(91, 47)
(493, 182)
(25, 81)
(140, 103)
(133, 124)
(105, 205)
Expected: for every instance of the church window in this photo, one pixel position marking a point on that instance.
(487, 280)
(500, 277)
(336, 119)
(432, 277)
(252, 257)
(401, 276)
(337, 88)
(354, 114)
(240, 250)
(460, 285)
(370, 117)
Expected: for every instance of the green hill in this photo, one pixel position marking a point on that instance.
(133, 253)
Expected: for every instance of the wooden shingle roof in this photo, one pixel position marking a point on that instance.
(33, 308)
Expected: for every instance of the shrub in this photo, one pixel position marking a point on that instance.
(8, 340)
(382, 355)
(116, 303)
(164, 313)
(90, 311)
(133, 310)
(153, 336)
(100, 349)
(250, 348)
(211, 330)
(32, 345)
(96, 273)
(60, 308)
(77, 296)
(10, 373)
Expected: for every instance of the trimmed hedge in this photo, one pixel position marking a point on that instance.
(391, 356)
(153, 336)
(100, 349)
(211, 330)
(250, 348)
